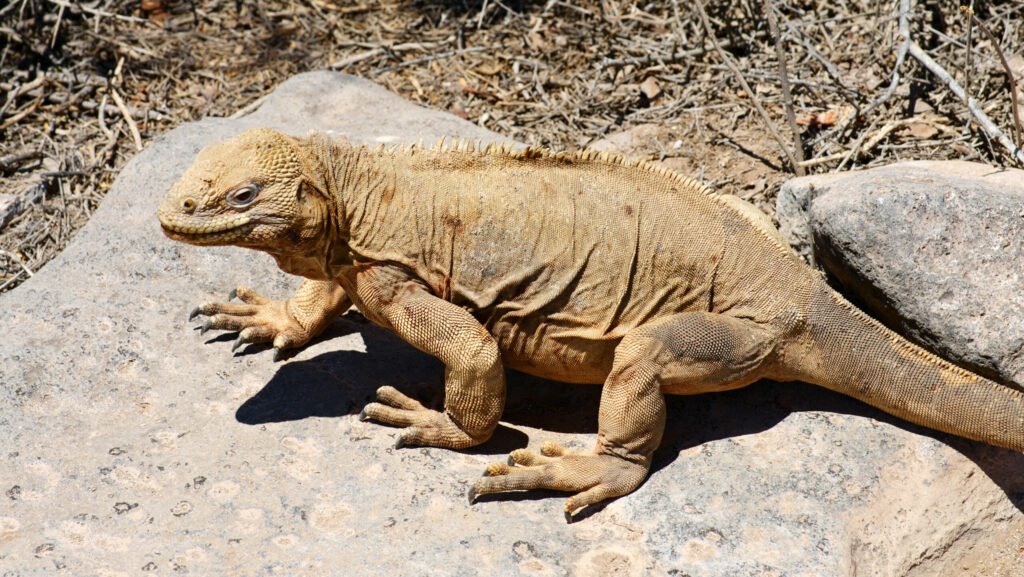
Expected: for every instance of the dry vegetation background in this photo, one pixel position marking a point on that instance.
(84, 85)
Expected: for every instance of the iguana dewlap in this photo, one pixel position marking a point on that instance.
(578, 267)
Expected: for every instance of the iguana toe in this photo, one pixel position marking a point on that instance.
(528, 458)
(253, 335)
(246, 295)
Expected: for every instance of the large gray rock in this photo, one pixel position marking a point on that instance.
(131, 444)
(934, 249)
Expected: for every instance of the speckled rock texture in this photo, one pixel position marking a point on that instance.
(933, 249)
(132, 445)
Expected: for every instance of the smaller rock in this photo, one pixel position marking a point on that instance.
(892, 235)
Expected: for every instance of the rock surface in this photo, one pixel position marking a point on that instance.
(133, 445)
(933, 249)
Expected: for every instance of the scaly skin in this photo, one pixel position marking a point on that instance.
(579, 267)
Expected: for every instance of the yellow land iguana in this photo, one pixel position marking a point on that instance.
(579, 267)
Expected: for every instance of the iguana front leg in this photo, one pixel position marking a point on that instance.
(286, 324)
(686, 353)
(474, 376)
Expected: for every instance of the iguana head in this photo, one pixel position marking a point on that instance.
(252, 190)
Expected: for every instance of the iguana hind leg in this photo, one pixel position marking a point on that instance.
(687, 353)
(474, 377)
(286, 324)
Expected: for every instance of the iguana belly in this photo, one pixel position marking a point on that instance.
(543, 350)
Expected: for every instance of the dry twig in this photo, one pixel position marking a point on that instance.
(743, 82)
(787, 97)
(984, 121)
(134, 128)
(1015, 113)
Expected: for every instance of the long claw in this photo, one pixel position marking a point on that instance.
(277, 354)
(400, 442)
(195, 312)
(363, 416)
(238, 342)
(471, 495)
(568, 517)
(233, 294)
(206, 326)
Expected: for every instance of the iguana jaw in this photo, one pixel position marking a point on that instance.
(204, 231)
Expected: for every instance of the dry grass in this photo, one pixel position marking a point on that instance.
(86, 83)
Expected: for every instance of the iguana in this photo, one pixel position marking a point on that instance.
(581, 267)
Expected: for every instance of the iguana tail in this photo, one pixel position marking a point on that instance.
(851, 353)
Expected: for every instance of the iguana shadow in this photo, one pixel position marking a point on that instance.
(340, 383)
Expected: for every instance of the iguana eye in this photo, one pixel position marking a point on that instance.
(243, 195)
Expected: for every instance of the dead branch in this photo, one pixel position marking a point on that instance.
(787, 96)
(984, 121)
(743, 82)
(901, 55)
(968, 44)
(1014, 112)
(11, 161)
(134, 128)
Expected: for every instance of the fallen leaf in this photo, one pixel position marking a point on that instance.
(650, 88)
(920, 130)
(490, 68)
(922, 107)
(827, 118)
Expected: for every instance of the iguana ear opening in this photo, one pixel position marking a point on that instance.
(307, 187)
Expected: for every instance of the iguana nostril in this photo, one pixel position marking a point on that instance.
(189, 205)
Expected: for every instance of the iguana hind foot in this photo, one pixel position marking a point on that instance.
(421, 426)
(593, 477)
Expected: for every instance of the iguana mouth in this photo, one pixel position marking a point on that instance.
(180, 228)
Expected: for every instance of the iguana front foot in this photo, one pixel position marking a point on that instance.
(286, 324)
(422, 426)
(258, 320)
(593, 477)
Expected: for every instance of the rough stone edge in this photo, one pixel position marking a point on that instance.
(797, 195)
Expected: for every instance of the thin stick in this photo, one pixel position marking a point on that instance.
(22, 114)
(430, 58)
(1009, 75)
(355, 58)
(96, 12)
(984, 121)
(859, 148)
(10, 161)
(743, 82)
(904, 32)
(969, 10)
(480, 19)
(127, 118)
(17, 260)
(249, 108)
(830, 68)
(787, 96)
(56, 28)
(671, 59)
(101, 117)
